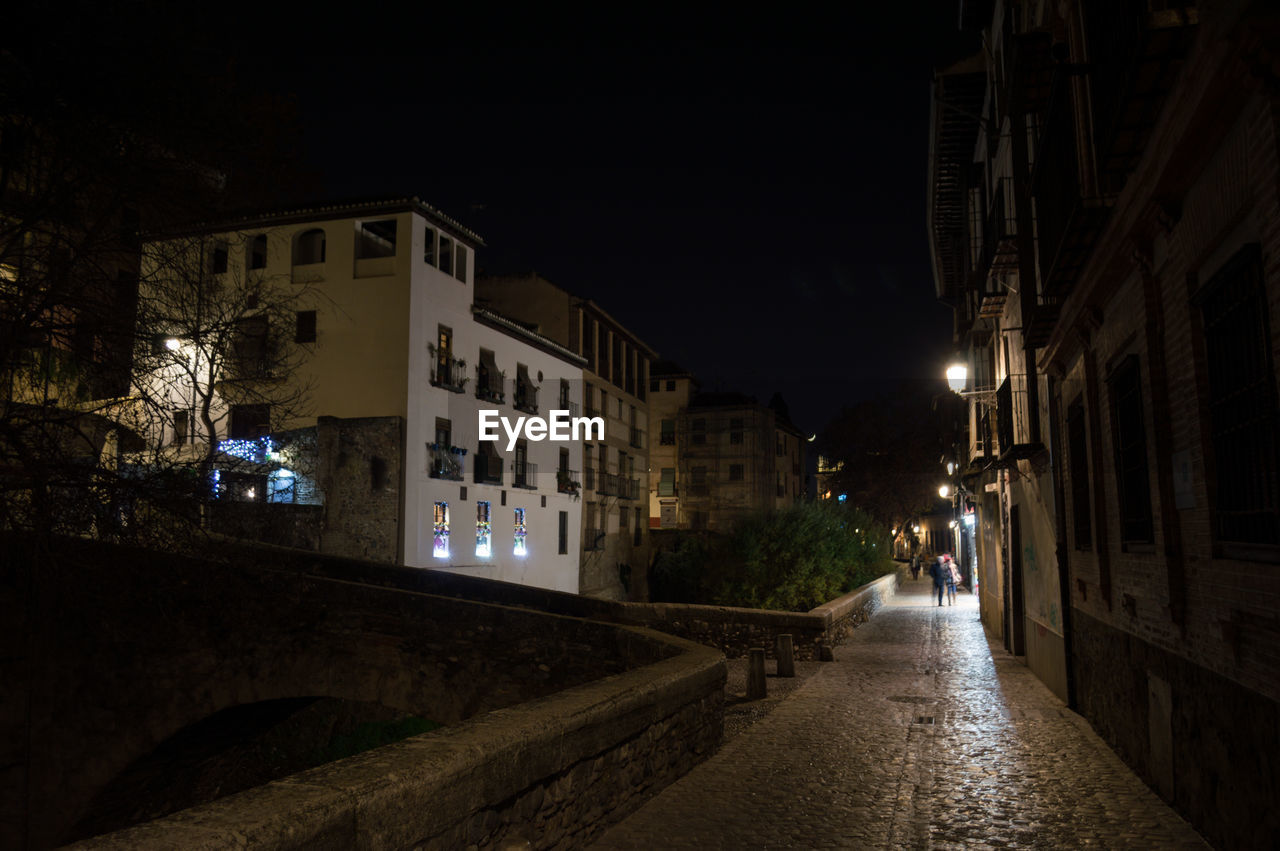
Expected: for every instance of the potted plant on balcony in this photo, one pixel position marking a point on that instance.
(565, 483)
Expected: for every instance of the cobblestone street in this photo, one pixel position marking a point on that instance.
(919, 735)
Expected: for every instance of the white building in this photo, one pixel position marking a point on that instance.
(370, 309)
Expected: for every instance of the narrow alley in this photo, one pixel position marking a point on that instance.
(921, 734)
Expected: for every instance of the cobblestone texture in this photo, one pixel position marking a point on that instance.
(919, 735)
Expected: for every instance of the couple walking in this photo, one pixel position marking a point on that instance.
(945, 577)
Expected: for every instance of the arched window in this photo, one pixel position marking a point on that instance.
(308, 247)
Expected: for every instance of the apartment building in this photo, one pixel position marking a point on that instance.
(731, 456)
(1105, 219)
(368, 312)
(614, 386)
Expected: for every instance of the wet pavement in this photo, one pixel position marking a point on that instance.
(919, 735)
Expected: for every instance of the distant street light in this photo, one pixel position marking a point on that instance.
(944, 491)
(957, 377)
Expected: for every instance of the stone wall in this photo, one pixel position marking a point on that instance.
(360, 469)
(1220, 738)
(553, 772)
(154, 645)
(732, 630)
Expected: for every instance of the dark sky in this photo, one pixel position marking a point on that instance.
(745, 193)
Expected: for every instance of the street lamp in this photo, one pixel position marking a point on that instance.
(957, 377)
(944, 491)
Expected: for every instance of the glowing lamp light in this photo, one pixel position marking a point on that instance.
(842, 497)
(951, 468)
(968, 520)
(944, 491)
(915, 529)
(173, 344)
(952, 524)
(957, 377)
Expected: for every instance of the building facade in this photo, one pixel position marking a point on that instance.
(367, 312)
(723, 456)
(613, 386)
(1105, 218)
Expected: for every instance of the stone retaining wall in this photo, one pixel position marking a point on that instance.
(555, 772)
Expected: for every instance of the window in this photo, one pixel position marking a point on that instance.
(588, 343)
(306, 327)
(484, 532)
(668, 434)
(735, 430)
(441, 548)
(446, 255)
(1133, 483)
(487, 464)
(671, 384)
(699, 432)
(520, 547)
(308, 247)
(181, 425)
(667, 484)
(376, 239)
(249, 422)
(735, 473)
(489, 379)
(258, 252)
(588, 398)
(1243, 422)
(429, 247)
(249, 350)
(218, 258)
(564, 533)
(1078, 458)
(460, 263)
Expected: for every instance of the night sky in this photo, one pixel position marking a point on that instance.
(745, 193)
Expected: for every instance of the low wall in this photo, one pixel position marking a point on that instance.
(732, 630)
(554, 772)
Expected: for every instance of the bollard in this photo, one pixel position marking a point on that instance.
(786, 657)
(755, 674)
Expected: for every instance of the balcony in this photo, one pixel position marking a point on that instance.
(1070, 213)
(489, 384)
(488, 469)
(526, 475)
(592, 539)
(608, 485)
(566, 405)
(567, 482)
(999, 248)
(1016, 423)
(628, 488)
(526, 397)
(637, 438)
(444, 462)
(1136, 48)
(667, 438)
(449, 372)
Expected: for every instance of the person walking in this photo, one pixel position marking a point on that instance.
(938, 570)
(915, 566)
(953, 579)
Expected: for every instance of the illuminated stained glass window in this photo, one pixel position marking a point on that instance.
(484, 532)
(521, 548)
(442, 530)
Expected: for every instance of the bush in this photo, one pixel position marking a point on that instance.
(790, 560)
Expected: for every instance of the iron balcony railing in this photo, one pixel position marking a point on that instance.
(526, 475)
(667, 438)
(1014, 420)
(449, 373)
(445, 462)
(637, 438)
(567, 481)
(592, 539)
(488, 469)
(566, 405)
(526, 397)
(489, 384)
(608, 485)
